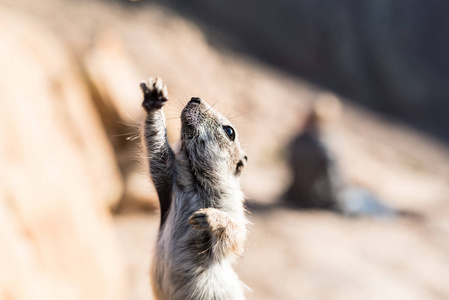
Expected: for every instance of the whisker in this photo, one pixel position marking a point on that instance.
(173, 109)
(178, 102)
(133, 138)
(232, 109)
(123, 134)
(241, 114)
(137, 125)
(129, 116)
(216, 102)
(213, 105)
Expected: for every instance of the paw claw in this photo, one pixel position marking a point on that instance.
(158, 84)
(144, 88)
(198, 220)
(164, 92)
(206, 219)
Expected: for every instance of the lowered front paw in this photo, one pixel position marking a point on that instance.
(154, 94)
(208, 219)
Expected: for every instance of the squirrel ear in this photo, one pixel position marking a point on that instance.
(243, 159)
(240, 165)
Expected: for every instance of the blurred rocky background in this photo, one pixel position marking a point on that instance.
(387, 55)
(78, 212)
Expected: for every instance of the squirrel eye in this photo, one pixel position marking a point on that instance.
(229, 131)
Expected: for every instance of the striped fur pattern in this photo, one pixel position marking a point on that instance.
(203, 224)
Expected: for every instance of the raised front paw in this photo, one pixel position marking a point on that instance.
(208, 219)
(154, 94)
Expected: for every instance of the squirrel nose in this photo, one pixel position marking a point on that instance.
(195, 100)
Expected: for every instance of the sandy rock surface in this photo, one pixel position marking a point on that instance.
(58, 174)
(318, 255)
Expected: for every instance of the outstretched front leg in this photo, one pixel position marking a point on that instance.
(160, 154)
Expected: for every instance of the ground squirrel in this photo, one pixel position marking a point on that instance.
(317, 179)
(203, 224)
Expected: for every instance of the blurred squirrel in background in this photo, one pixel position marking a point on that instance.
(317, 179)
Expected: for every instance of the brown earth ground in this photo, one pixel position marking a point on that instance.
(289, 254)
